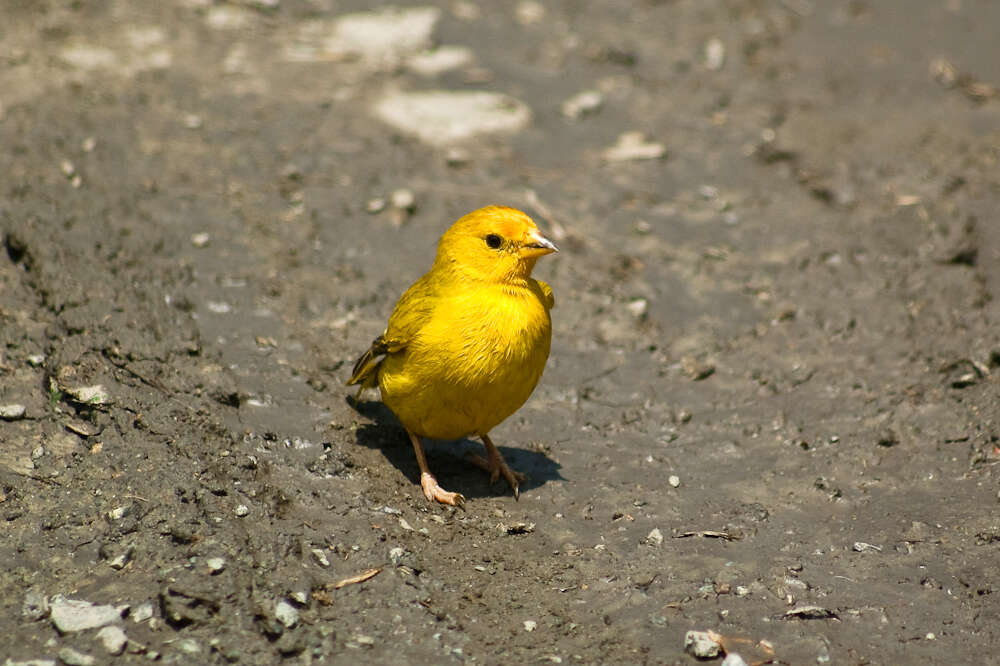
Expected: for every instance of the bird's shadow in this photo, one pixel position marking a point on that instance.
(446, 459)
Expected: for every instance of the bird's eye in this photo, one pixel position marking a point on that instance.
(494, 241)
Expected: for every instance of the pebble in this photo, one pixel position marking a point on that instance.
(69, 615)
(119, 513)
(638, 308)
(396, 555)
(90, 395)
(72, 657)
(143, 612)
(530, 625)
(286, 614)
(379, 39)
(583, 104)
(12, 412)
(188, 645)
(36, 360)
(200, 239)
(403, 199)
(442, 117)
(300, 597)
(715, 54)
(242, 510)
(113, 639)
(674, 480)
(376, 205)
(35, 606)
(441, 59)
(634, 146)
(215, 565)
(122, 559)
(701, 644)
(321, 557)
(30, 662)
(655, 537)
(733, 659)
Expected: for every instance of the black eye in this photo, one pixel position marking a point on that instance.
(494, 241)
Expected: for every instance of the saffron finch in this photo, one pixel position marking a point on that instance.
(467, 343)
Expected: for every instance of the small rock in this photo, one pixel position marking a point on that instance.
(242, 511)
(36, 360)
(396, 555)
(638, 308)
(30, 662)
(73, 657)
(442, 117)
(12, 412)
(702, 644)
(301, 597)
(200, 239)
(142, 612)
(90, 395)
(733, 659)
(633, 146)
(530, 625)
(583, 104)
(286, 614)
(69, 615)
(122, 559)
(35, 606)
(715, 54)
(188, 646)
(441, 59)
(456, 156)
(529, 12)
(376, 205)
(113, 639)
(674, 480)
(120, 512)
(321, 557)
(655, 537)
(215, 565)
(403, 199)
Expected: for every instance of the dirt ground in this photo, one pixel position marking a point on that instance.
(771, 407)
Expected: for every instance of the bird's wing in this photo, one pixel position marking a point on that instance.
(412, 310)
(547, 296)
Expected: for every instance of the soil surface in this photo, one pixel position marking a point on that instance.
(771, 407)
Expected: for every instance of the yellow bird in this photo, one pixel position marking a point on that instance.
(467, 343)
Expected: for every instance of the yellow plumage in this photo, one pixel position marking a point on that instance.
(467, 343)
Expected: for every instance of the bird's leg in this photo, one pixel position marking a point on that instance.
(432, 491)
(495, 465)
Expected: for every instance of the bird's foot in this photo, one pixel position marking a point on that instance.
(496, 466)
(435, 493)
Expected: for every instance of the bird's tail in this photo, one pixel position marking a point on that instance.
(365, 370)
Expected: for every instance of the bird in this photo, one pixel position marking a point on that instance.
(467, 343)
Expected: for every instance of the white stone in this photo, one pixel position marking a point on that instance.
(113, 639)
(69, 615)
(441, 59)
(286, 614)
(440, 117)
(633, 146)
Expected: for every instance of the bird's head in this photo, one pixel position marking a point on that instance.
(493, 244)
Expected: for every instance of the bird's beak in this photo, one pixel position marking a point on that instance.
(536, 245)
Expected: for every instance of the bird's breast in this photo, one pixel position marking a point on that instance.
(474, 363)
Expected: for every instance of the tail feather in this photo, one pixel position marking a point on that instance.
(366, 369)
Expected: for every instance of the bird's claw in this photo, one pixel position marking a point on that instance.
(496, 466)
(435, 493)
